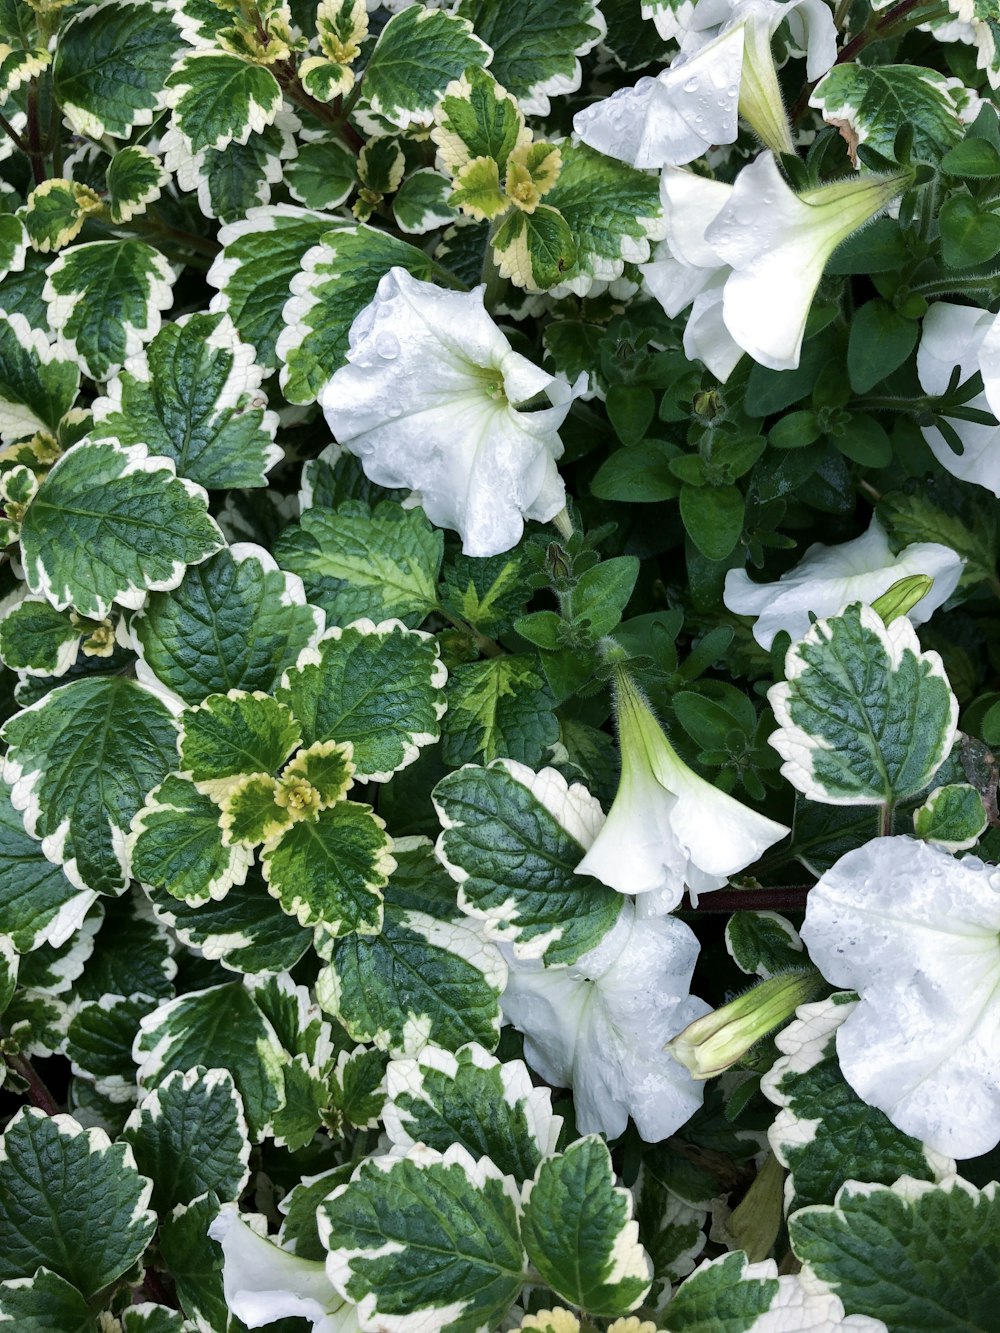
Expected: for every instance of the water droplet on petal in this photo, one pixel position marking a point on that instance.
(387, 346)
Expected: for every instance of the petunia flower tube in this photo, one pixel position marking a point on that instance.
(967, 338)
(599, 1025)
(916, 932)
(667, 827)
(777, 243)
(433, 398)
(829, 577)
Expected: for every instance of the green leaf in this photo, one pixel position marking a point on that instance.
(176, 845)
(358, 562)
(599, 599)
(419, 52)
(953, 817)
(247, 932)
(138, 523)
(111, 65)
(944, 510)
(880, 341)
(486, 592)
(874, 102)
(260, 256)
(713, 518)
(976, 158)
(330, 871)
(968, 235)
(612, 210)
(537, 57)
(55, 213)
(134, 179)
(579, 1234)
(37, 387)
(864, 716)
(421, 979)
(639, 474)
(71, 1201)
(497, 709)
(763, 943)
(44, 1302)
(338, 278)
(221, 1027)
(38, 640)
(189, 1135)
(825, 1134)
(428, 1240)
(322, 175)
(512, 841)
(104, 301)
(902, 1253)
(381, 687)
(491, 1109)
(218, 98)
(193, 396)
(38, 904)
(232, 734)
(149, 1318)
(534, 250)
(80, 762)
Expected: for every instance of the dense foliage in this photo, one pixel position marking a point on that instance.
(500, 658)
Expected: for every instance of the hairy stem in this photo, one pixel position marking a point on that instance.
(38, 1093)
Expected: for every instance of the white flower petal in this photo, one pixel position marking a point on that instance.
(829, 577)
(917, 934)
(428, 401)
(778, 243)
(675, 117)
(263, 1283)
(667, 827)
(967, 337)
(705, 334)
(599, 1026)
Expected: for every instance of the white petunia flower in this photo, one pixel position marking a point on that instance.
(724, 69)
(916, 933)
(667, 827)
(750, 257)
(262, 1282)
(434, 398)
(969, 338)
(777, 243)
(830, 577)
(599, 1026)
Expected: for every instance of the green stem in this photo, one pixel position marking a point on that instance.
(490, 273)
(972, 285)
(874, 403)
(885, 820)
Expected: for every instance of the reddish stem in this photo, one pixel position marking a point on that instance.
(785, 898)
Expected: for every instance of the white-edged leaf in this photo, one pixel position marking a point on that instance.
(104, 301)
(38, 904)
(864, 715)
(176, 845)
(80, 762)
(193, 396)
(380, 687)
(429, 1240)
(37, 385)
(72, 1201)
(137, 525)
(218, 98)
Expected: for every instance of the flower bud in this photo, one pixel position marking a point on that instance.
(709, 1045)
